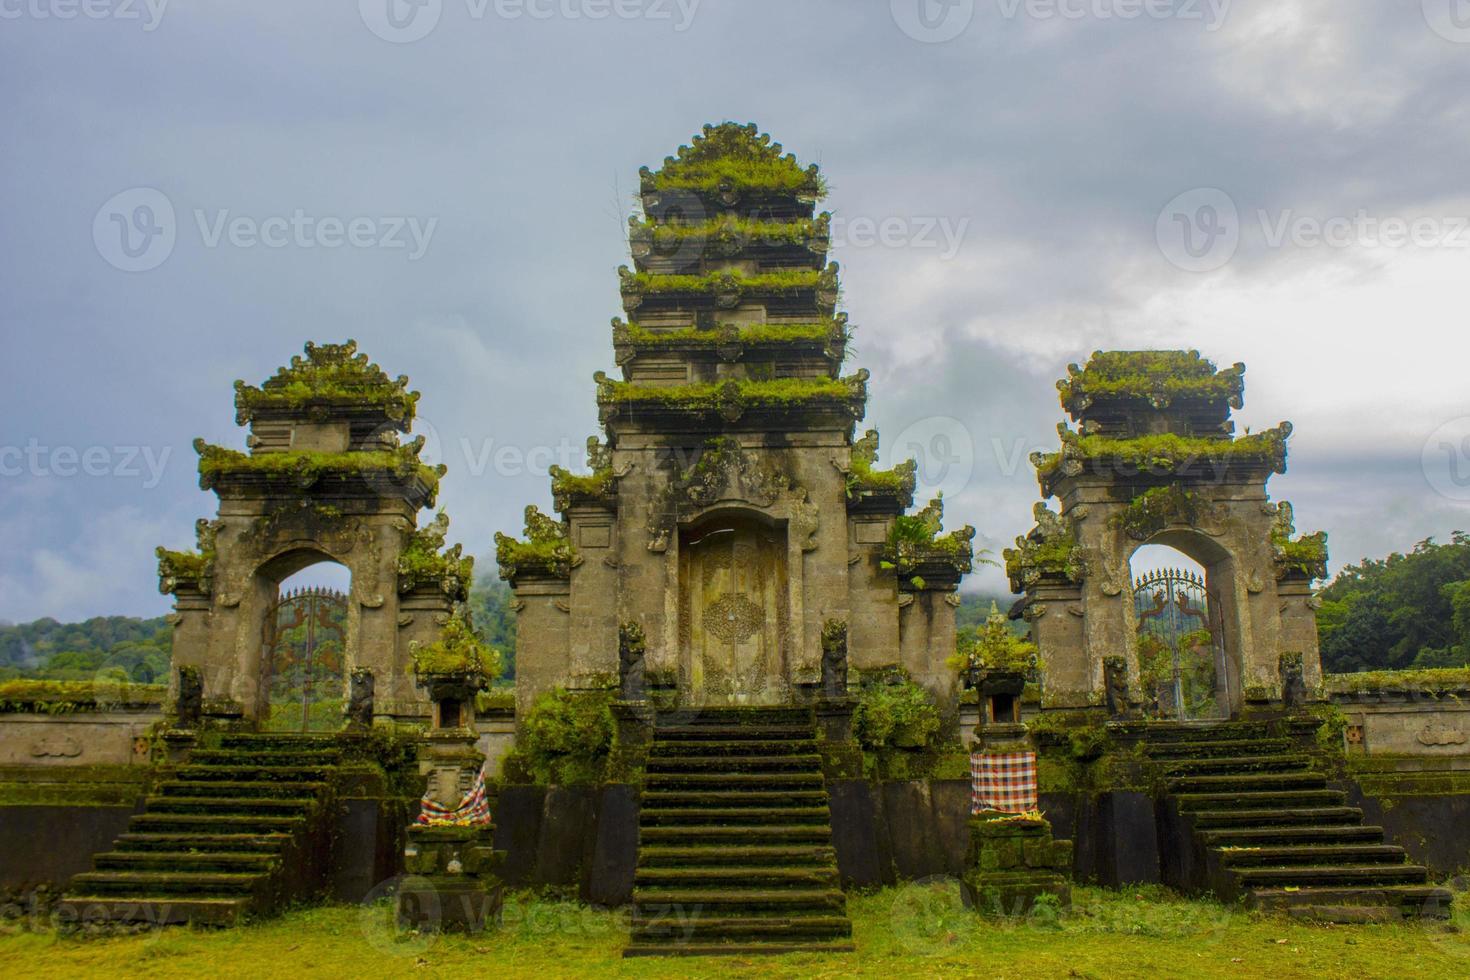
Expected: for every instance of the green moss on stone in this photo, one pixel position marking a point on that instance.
(738, 158)
(1158, 376)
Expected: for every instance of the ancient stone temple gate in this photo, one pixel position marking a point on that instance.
(730, 512)
(326, 478)
(1155, 462)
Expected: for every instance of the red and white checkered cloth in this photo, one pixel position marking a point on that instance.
(1003, 781)
(473, 810)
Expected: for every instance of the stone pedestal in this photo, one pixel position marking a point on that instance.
(834, 718)
(452, 884)
(1013, 860)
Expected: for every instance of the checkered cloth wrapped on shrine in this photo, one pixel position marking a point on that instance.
(1004, 781)
(472, 811)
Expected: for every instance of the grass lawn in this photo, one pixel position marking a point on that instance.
(904, 933)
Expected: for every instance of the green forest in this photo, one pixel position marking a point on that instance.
(1404, 612)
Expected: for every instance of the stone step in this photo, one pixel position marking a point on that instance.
(768, 835)
(213, 823)
(751, 928)
(737, 877)
(696, 799)
(1161, 732)
(252, 758)
(1248, 783)
(740, 748)
(261, 805)
(718, 733)
(1322, 876)
(207, 843)
(1220, 747)
(1286, 799)
(1348, 905)
(721, 763)
(792, 856)
(277, 741)
(202, 861)
(1223, 765)
(252, 774)
(1282, 836)
(1236, 857)
(732, 901)
(229, 788)
(734, 780)
(174, 910)
(738, 949)
(731, 717)
(155, 884)
(1314, 816)
(734, 816)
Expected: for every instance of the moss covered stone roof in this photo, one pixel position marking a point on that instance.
(736, 157)
(1156, 378)
(331, 378)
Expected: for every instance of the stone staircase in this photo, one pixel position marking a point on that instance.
(1266, 829)
(735, 839)
(236, 832)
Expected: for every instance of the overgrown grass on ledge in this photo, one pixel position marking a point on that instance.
(64, 697)
(1430, 681)
(780, 391)
(916, 930)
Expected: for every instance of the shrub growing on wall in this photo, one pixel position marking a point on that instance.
(895, 713)
(566, 738)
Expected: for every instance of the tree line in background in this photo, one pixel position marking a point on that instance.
(1406, 611)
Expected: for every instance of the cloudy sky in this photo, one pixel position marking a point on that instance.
(192, 190)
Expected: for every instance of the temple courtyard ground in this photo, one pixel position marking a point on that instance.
(910, 931)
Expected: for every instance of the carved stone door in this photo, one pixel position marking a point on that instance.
(733, 594)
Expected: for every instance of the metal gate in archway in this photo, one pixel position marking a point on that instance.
(1179, 649)
(305, 663)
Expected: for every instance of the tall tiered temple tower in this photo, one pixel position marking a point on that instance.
(730, 513)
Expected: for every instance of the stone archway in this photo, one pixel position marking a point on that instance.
(733, 600)
(1155, 460)
(1223, 606)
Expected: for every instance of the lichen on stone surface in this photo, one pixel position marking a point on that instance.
(915, 540)
(458, 650)
(1155, 509)
(189, 569)
(1163, 452)
(330, 376)
(736, 157)
(1158, 377)
(863, 476)
(303, 469)
(425, 561)
(1297, 556)
(1049, 550)
(547, 548)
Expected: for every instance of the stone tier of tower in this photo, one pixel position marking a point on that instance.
(731, 415)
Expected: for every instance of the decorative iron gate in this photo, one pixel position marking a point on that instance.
(1178, 644)
(305, 663)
